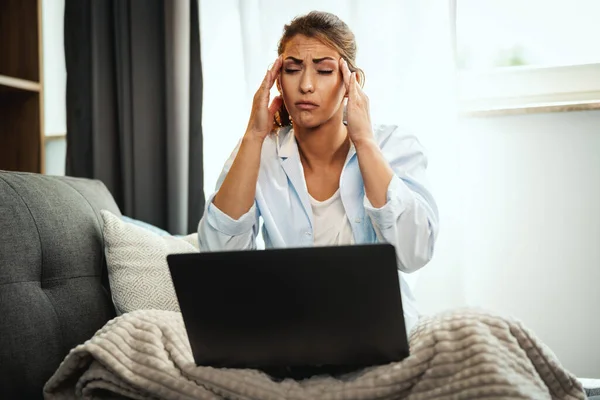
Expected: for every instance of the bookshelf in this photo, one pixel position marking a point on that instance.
(21, 86)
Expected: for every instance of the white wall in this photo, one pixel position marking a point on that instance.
(530, 187)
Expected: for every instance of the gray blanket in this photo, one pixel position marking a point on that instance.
(461, 354)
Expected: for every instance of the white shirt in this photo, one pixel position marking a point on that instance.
(331, 224)
(409, 219)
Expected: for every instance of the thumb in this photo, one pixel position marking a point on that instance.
(275, 105)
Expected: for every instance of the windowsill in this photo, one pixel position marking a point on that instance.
(529, 90)
(538, 108)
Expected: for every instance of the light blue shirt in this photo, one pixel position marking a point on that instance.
(409, 219)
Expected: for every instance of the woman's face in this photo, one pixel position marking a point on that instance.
(311, 81)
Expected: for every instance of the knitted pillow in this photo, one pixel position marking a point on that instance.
(138, 273)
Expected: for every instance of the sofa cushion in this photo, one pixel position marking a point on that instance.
(137, 264)
(51, 268)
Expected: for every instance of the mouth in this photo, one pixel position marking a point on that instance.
(306, 105)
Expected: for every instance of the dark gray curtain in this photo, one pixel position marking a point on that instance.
(134, 105)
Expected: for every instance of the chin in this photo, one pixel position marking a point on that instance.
(307, 124)
(309, 121)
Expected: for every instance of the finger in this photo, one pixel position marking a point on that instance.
(275, 105)
(356, 86)
(359, 89)
(348, 73)
(345, 73)
(268, 79)
(352, 91)
(265, 80)
(263, 90)
(275, 71)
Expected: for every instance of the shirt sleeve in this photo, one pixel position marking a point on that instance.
(409, 218)
(217, 231)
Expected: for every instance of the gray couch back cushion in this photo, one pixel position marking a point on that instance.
(53, 290)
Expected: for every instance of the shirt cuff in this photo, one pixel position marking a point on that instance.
(398, 195)
(229, 226)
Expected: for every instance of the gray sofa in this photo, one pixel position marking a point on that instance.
(54, 290)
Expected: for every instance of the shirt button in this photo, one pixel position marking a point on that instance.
(357, 220)
(308, 233)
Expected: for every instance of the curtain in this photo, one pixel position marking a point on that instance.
(134, 105)
(406, 49)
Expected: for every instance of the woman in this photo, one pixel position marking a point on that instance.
(317, 178)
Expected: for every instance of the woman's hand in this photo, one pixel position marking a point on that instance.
(261, 117)
(236, 195)
(357, 110)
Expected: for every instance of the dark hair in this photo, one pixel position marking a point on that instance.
(330, 30)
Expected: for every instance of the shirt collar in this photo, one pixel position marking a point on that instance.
(287, 142)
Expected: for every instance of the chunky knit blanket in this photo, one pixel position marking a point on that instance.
(460, 354)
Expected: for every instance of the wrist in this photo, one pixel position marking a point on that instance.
(365, 142)
(253, 139)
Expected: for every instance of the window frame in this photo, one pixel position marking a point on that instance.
(524, 88)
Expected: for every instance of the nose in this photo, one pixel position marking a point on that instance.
(306, 83)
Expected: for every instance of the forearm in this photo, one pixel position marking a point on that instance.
(397, 198)
(375, 170)
(236, 195)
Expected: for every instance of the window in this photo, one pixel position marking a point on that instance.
(517, 54)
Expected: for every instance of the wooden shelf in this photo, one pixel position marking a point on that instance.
(20, 84)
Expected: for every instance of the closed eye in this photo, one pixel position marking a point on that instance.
(323, 72)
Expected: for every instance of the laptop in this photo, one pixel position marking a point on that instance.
(323, 309)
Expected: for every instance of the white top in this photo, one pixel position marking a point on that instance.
(331, 224)
(408, 220)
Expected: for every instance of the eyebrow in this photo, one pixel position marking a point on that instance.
(315, 60)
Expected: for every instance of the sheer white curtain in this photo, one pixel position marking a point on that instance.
(405, 48)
